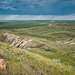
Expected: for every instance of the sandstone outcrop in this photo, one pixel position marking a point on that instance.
(17, 41)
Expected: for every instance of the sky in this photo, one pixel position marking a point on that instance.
(37, 9)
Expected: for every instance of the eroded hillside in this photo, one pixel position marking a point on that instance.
(47, 48)
(23, 62)
(16, 41)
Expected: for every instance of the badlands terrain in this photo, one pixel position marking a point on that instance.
(38, 47)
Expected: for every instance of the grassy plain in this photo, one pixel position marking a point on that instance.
(55, 54)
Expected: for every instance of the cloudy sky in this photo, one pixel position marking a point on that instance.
(37, 9)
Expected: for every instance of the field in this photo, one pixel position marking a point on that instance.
(54, 54)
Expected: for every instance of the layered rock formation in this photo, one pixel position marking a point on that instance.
(17, 41)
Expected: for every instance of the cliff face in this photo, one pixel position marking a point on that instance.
(16, 41)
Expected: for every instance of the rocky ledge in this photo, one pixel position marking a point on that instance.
(17, 41)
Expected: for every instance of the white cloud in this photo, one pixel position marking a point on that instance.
(11, 8)
(4, 2)
(37, 17)
(27, 3)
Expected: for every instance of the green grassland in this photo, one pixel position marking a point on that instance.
(51, 57)
(22, 62)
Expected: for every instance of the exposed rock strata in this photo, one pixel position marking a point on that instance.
(17, 41)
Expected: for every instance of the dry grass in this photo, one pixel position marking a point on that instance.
(26, 63)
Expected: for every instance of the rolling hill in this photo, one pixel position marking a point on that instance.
(51, 51)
